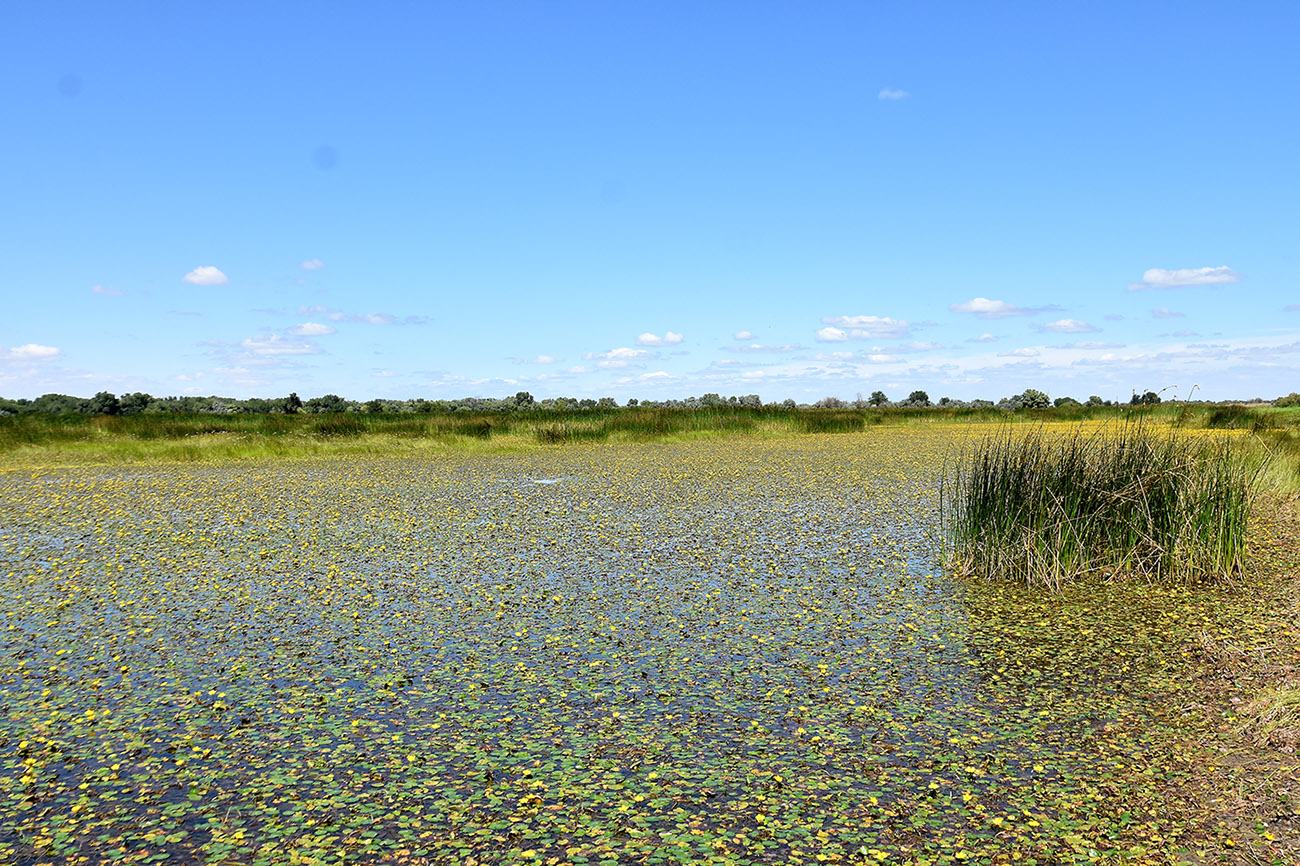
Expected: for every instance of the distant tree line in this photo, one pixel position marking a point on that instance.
(107, 403)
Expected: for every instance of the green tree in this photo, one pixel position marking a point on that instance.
(104, 403)
(1031, 398)
(327, 403)
(878, 398)
(134, 404)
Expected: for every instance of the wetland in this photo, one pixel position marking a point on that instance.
(731, 650)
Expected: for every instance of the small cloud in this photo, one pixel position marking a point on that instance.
(1068, 326)
(985, 308)
(891, 95)
(757, 348)
(1184, 333)
(311, 329)
(205, 275)
(742, 335)
(862, 328)
(668, 339)
(1160, 278)
(983, 338)
(30, 353)
(543, 359)
(620, 357)
(277, 345)
(1020, 353)
(577, 369)
(103, 290)
(312, 265)
(306, 311)
(1165, 313)
(1093, 344)
(383, 374)
(657, 374)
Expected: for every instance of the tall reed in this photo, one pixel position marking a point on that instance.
(1045, 508)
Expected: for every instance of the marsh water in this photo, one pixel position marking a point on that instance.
(741, 649)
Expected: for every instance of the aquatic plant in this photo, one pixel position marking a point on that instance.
(1046, 508)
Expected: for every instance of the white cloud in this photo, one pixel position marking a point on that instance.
(1026, 352)
(758, 348)
(668, 339)
(382, 374)
(543, 359)
(312, 265)
(316, 309)
(1165, 313)
(985, 338)
(102, 290)
(311, 329)
(1160, 278)
(864, 327)
(620, 357)
(30, 353)
(1093, 344)
(988, 309)
(888, 94)
(1068, 326)
(577, 369)
(657, 374)
(277, 345)
(831, 335)
(205, 275)
(742, 335)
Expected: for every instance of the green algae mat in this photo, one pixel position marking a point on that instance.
(726, 651)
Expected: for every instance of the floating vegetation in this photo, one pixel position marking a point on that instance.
(727, 651)
(1045, 507)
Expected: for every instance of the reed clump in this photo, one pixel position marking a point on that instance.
(1046, 508)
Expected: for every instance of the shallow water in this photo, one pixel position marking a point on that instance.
(740, 648)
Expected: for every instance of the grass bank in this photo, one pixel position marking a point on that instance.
(28, 439)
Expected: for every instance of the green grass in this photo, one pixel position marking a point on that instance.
(79, 438)
(1045, 509)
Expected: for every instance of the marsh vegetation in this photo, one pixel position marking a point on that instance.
(1046, 506)
(729, 650)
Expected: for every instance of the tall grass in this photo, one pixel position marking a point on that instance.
(1045, 508)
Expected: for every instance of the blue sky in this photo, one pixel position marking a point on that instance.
(650, 200)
